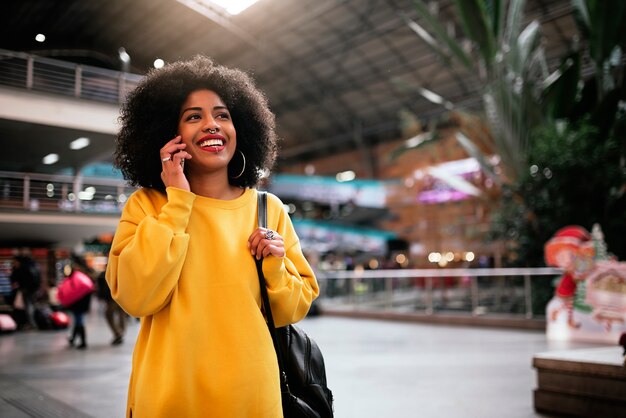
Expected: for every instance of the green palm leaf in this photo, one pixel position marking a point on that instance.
(473, 151)
(478, 26)
(440, 34)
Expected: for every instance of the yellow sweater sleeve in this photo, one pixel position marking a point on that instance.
(291, 283)
(148, 250)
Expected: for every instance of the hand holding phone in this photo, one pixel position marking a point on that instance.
(173, 156)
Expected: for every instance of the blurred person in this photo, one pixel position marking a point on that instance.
(115, 316)
(25, 282)
(196, 137)
(313, 259)
(77, 269)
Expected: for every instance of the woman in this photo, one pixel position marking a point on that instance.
(77, 269)
(195, 137)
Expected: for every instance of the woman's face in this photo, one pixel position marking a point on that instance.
(207, 128)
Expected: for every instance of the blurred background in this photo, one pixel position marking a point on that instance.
(429, 148)
(419, 134)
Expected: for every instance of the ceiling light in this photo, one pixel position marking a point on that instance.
(345, 176)
(124, 57)
(158, 63)
(79, 143)
(40, 37)
(309, 170)
(50, 159)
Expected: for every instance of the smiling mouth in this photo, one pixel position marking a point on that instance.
(212, 144)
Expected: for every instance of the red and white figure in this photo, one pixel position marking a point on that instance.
(572, 250)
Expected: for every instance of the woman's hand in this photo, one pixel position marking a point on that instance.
(264, 242)
(173, 156)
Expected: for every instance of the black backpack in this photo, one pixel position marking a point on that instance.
(306, 393)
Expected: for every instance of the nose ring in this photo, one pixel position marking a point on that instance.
(212, 131)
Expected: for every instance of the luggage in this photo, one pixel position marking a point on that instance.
(46, 318)
(74, 288)
(60, 320)
(7, 324)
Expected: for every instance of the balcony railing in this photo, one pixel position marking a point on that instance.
(47, 75)
(57, 193)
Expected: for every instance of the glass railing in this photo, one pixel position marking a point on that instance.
(26, 71)
(471, 292)
(58, 193)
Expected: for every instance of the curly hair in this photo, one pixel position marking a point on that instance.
(149, 119)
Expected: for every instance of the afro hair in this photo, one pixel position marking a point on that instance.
(149, 119)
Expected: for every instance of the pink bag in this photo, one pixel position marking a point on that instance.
(74, 288)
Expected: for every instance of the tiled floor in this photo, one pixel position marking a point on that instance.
(376, 369)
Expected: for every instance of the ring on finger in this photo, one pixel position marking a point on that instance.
(269, 234)
(166, 159)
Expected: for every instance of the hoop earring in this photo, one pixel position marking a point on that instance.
(242, 168)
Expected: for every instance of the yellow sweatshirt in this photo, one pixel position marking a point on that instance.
(181, 263)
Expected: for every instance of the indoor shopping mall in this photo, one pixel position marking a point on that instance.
(432, 191)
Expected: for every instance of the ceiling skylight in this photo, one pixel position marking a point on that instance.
(233, 7)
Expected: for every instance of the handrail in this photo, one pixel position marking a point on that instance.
(61, 178)
(37, 192)
(469, 291)
(398, 273)
(31, 72)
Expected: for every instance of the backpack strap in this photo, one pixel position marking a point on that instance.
(262, 223)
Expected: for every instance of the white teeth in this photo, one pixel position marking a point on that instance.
(212, 143)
